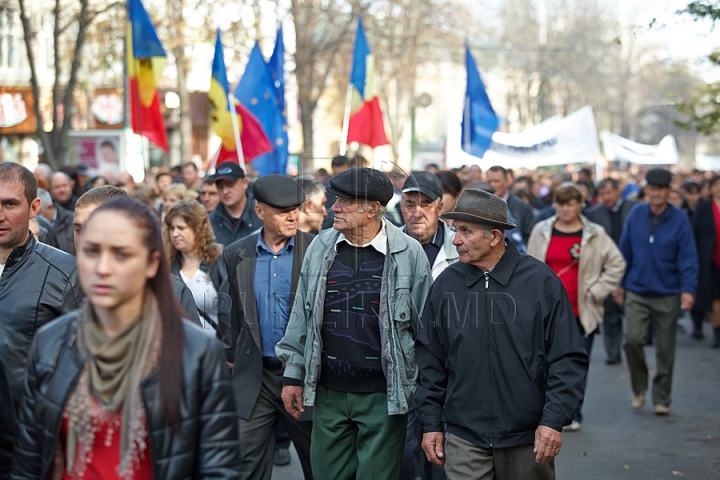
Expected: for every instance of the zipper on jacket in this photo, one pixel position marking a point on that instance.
(487, 279)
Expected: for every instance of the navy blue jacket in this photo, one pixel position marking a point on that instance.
(222, 223)
(660, 253)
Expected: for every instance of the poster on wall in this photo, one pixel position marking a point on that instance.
(17, 114)
(101, 150)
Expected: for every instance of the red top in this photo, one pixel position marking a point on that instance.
(105, 458)
(563, 256)
(716, 248)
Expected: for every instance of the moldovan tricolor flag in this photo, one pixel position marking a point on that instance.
(145, 59)
(366, 122)
(253, 139)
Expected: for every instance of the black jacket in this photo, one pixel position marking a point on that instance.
(207, 447)
(221, 222)
(496, 358)
(703, 222)
(601, 215)
(185, 299)
(48, 235)
(39, 284)
(523, 215)
(64, 231)
(218, 274)
(8, 424)
(241, 330)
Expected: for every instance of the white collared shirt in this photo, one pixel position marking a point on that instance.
(379, 243)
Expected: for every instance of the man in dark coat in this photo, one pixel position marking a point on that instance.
(499, 180)
(263, 272)
(611, 213)
(501, 365)
(234, 217)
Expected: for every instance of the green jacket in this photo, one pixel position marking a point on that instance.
(405, 285)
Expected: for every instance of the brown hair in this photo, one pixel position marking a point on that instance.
(14, 172)
(99, 195)
(173, 336)
(197, 219)
(566, 194)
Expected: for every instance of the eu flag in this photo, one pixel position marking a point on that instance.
(479, 119)
(257, 92)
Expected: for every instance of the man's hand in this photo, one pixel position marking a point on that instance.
(687, 300)
(619, 296)
(293, 400)
(547, 444)
(432, 444)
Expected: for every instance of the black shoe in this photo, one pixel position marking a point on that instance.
(613, 361)
(716, 338)
(282, 457)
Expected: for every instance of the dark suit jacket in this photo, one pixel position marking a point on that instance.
(703, 222)
(63, 230)
(241, 331)
(523, 215)
(601, 215)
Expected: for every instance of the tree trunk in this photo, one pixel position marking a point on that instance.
(307, 108)
(175, 12)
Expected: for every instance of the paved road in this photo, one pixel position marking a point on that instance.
(617, 442)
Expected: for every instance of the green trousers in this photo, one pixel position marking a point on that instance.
(353, 437)
(663, 313)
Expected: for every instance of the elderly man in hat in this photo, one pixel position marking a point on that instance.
(502, 364)
(349, 346)
(263, 274)
(660, 279)
(234, 217)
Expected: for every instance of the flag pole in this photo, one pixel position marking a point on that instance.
(236, 130)
(346, 120)
(139, 115)
(466, 113)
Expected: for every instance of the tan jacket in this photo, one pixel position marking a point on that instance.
(600, 270)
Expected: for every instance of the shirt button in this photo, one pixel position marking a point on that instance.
(274, 274)
(275, 256)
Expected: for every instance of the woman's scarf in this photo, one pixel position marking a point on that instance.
(114, 368)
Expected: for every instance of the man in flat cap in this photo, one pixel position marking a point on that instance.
(502, 364)
(660, 279)
(235, 216)
(263, 274)
(349, 346)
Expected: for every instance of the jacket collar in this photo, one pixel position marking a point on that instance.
(22, 252)
(502, 271)
(397, 240)
(589, 229)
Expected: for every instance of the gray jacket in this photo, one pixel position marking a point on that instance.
(405, 284)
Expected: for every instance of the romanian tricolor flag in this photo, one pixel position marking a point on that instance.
(146, 58)
(366, 122)
(253, 139)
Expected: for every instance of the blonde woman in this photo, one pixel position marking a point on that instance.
(175, 193)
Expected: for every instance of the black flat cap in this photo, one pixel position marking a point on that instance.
(278, 191)
(424, 182)
(229, 172)
(658, 177)
(362, 183)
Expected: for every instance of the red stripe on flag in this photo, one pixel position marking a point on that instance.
(148, 121)
(366, 126)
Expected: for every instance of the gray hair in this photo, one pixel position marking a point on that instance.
(310, 186)
(382, 211)
(486, 229)
(45, 198)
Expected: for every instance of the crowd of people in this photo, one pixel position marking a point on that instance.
(436, 324)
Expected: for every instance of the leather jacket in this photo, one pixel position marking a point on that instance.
(207, 446)
(39, 284)
(64, 231)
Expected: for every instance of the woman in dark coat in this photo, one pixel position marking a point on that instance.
(124, 388)
(706, 227)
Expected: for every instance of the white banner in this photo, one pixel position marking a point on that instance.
(556, 141)
(624, 150)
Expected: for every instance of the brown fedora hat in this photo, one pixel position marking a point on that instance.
(479, 206)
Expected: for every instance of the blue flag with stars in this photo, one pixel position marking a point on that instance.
(258, 92)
